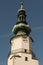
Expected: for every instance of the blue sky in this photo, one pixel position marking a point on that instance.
(8, 18)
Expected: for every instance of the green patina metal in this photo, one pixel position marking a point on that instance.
(21, 26)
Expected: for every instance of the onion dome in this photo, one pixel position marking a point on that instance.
(21, 26)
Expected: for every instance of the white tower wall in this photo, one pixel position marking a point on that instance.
(18, 55)
(21, 42)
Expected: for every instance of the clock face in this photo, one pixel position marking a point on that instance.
(25, 39)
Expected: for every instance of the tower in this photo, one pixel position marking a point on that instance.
(21, 44)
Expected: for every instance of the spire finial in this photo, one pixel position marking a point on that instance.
(21, 4)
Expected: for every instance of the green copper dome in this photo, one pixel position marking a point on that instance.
(21, 26)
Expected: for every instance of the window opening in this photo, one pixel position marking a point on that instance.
(26, 58)
(25, 50)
